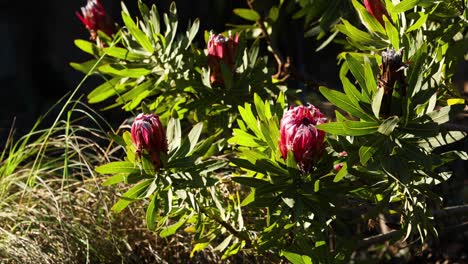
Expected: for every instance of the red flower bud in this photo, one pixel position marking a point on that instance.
(299, 135)
(377, 10)
(223, 49)
(94, 17)
(148, 134)
(337, 167)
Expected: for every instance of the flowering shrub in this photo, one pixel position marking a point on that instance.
(253, 176)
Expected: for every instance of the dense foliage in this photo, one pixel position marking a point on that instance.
(222, 149)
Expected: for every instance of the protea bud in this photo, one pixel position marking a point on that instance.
(377, 10)
(299, 135)
(148, 134)
(94, 17)
(221, 49)
(337, 167)
(391, 74)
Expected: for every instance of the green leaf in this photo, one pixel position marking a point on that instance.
(154, 18)
(442, 139)
(389, 125)
(152, 213)
(88, 47)
(445, 114)
(296, 258)
(357, 70)
(342, 173)
(121, 70)
(365, 153)
(123, 54)
(250, 120)
(251, 182)
(192, 33)
(371, 82)
(392, 33)
(194, 135)
(367, 19)
(117, 178)
(404, 6)
(352, 92)
(243, 138)
(131, 195)
(85, 67)
(342, 101)
(377, 101)
(354, 33)
(172, 229)
(105, 90)
(223, 245)
(360, 128)
(140, 37)
(118, 167)
(271, 167)
(233, 249)
(419, 23)
(248, 14)
(334, 128)
(419, 129)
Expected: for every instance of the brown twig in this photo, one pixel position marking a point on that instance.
(453, 210)
(285, 69)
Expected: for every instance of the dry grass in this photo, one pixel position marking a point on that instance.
(54, 209)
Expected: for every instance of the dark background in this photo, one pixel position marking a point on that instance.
(36, 47)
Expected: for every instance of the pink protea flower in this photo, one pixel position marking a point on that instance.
(299, 135)
(221, 48)
(94, 17)
(377, 10)
(148, 134)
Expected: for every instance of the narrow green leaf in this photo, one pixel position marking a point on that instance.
(334, 128)
(123, 71)
(131, 195)
(296, 258)
(193, 32)
(360, 128)
(444, 114)
(194, 135)
(404, 6)
(356, 69)
(152, 213)
(223, 245)
(419, 23)
(342, 101)
(342, 173)
(87, 47)
(354, 33)
(392, 33)
(172, 229)
(105, 90)
(377, 101)
(352, 92)
(140, 37)
(248, 14)
(389, 125)
(123, 54)
(367, 19)
(118, 167)
(117, 178)
(442, 139)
